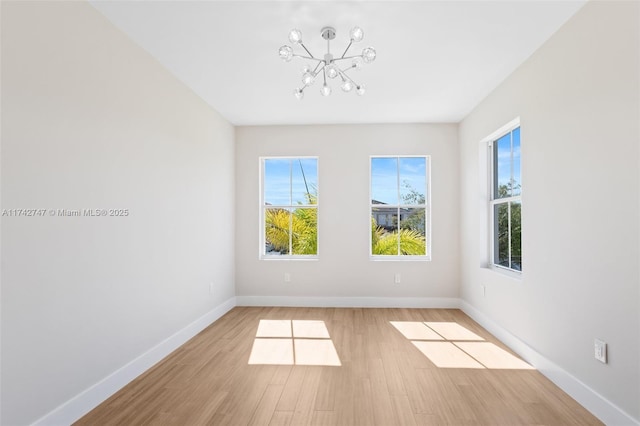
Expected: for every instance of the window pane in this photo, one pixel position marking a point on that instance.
(412, 232)
(384, 234)
(413, 180)
(277, 182)
(516, 244)
(501, 234)
(304, 222)
(517, 185)
(276, 231)
(304, 181)
(384, 180)
(502, 162)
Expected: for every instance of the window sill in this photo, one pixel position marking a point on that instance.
(510, 273)
(406, 258)
(276, 257)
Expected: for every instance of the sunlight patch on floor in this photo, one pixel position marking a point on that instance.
(316, 352)
(414, 330)
(293, 342)
(310, 329)
(272, 351)
(450, 345)
(492, 356)
(453, 331)
(446, 355)
(274, 328)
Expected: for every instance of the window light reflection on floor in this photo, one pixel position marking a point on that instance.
(446, 355)
(414, 330)
(293, 342)
(491, 356)
(452, 331)
(272, 352)
(450, 345)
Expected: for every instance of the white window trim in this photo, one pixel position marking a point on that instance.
(488, 142)
(427, 213)
(261, 207)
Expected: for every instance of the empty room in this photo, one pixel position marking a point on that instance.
(320, 213)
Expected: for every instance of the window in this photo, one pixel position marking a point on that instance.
(289, 207)
(505, 205)
(399, 207)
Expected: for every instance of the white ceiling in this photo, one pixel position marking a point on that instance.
(436, 59)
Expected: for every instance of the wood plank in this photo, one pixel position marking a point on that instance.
(402, 410)
(305, 405)
(281, 418)
(267, 406)
(383, 413)
(292, 389)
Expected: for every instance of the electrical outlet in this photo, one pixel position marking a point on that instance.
(397, 278)
(600, 349)
(484, 290)
(287, 277)
(210, 288)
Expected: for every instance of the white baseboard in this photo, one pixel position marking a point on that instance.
(600, 407)
(84, 402)
(350, 302)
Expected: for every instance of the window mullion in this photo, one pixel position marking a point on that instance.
(290, 207)
(509, 232)
(511, 163)
(398, 206)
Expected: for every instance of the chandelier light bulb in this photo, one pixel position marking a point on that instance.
(286, 53)
(360, 90)
(332, 70)
(357, 63)
(298, 93)
(368, 54)
(347, 85)
(295, 36)
(308, 78)
(356, 34)
(326, 90)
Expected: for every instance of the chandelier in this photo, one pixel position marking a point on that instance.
(329, 66)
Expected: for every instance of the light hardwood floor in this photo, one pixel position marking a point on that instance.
(384, 379)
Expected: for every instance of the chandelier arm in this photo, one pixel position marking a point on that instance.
(352, 67)
(307, 57)
(315, 70)
(345, 50)
(307, 50)
(347, 57)
(344, 75)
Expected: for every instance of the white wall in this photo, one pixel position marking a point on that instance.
(344, 269)
(578, 99)
(89, 120)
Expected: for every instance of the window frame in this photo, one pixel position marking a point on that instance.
(426, 205)
(262, 255)
(493, 201)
